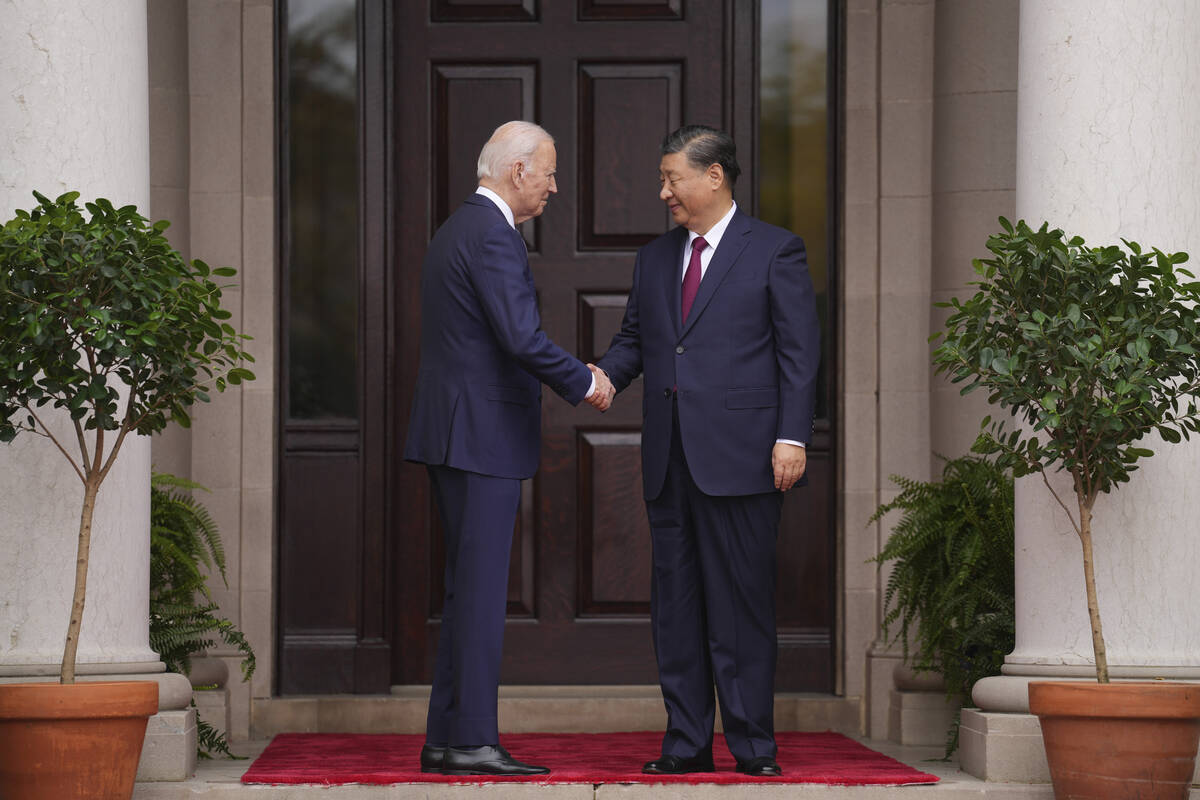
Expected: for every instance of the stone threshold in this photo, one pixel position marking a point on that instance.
(529, 709)
(220, 780)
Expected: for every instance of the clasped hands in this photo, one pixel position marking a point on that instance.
(602, 398)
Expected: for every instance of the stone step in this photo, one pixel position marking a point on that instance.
(529, 709)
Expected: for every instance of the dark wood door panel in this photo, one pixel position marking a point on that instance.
(482, 10)
(614, 534)
(630, 10)
(587, 651)
(622, 107)
(319, 568)
(805, 577)
(468, 99)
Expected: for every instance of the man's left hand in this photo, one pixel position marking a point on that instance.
(788, 462)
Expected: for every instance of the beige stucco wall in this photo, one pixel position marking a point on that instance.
(213, 176)
(928, 163)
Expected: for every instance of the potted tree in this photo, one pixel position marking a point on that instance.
(105, 331)
(1091, 350)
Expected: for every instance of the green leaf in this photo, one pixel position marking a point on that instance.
(109, 281)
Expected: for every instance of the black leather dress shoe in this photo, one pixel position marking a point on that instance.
(432, 758)
(486, 760)
(674, 765)
(761, 767)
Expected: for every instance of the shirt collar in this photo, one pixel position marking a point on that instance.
(713, 235)
(503, 206)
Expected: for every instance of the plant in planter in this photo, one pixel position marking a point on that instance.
(950, 592)
(1090, 349)
(103, 322)
(184, 542)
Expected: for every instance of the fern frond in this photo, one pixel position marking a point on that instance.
(950, 591)
(184, 544)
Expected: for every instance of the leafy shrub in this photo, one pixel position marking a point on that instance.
(951, 589)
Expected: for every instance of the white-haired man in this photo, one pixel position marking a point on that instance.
(476, 425)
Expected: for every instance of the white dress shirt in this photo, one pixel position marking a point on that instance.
(508, 215)
(713, 238)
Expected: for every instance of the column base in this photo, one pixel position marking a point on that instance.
(1003, 747)
(920, 718)
(169, 752)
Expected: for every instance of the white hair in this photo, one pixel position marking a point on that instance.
(511, 142)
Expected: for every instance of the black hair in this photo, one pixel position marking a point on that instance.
(705, 146)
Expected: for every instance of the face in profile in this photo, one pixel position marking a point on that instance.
(686, 189)
(537, 182)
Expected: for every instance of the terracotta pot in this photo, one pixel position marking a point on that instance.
(1127, 740)
(78, 741)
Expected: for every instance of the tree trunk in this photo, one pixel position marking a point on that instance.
(1089, 578)
(90, 489)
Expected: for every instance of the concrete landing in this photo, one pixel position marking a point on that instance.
(220, 780)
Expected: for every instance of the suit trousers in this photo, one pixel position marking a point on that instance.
(478, 512)
(713, 612)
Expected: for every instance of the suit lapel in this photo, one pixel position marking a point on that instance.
(673, 286)
(732, 244)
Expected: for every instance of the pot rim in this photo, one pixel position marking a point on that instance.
(82, 700)
(1132, 699)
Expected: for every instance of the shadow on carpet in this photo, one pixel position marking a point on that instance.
(339, 758)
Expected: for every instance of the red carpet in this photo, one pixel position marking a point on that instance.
(334, 758)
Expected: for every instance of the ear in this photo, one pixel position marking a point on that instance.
(517, 173)
(716, 175)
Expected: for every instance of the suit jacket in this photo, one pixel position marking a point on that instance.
(477, 402)
(745, 362)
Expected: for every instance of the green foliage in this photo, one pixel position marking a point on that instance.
(1090, 348)
(184, 545)
(951, 588)
(88, 303)
(84, 299)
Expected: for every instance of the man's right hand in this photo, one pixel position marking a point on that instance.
(602, 398)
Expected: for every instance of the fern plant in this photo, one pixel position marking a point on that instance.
(184, 545)
(951, 589)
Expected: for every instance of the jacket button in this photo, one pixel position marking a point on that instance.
(679, 350)
(666, 392)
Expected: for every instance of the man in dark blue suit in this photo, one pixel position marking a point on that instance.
(476, 424)
(722, 322)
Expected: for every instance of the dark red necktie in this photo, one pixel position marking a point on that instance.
(691, 278)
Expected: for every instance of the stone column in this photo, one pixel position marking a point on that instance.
(74, 116)
(1109, 102)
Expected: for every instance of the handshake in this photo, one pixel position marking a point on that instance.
(602, 398)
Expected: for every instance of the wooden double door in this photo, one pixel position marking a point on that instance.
(607, 78)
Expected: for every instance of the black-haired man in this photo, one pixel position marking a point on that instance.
(722, 321)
